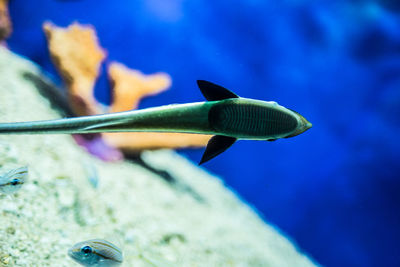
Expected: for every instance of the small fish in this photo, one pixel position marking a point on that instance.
(225, 115)
(92, 174)
(12, 181)
(96, 253)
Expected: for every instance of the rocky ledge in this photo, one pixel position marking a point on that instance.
(71, 196)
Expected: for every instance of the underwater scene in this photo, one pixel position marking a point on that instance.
(199, 133)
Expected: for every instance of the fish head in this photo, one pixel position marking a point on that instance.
(15, 185)
(12, 181)
(96, 252)
(303, 125)
(84, 254)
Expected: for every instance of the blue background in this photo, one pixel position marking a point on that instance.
(334, 189)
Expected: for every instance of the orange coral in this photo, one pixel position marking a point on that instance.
(130, 86)
(78, 56)
(140, 141)
(5, 22)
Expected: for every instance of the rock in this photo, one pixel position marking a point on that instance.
(154, 221)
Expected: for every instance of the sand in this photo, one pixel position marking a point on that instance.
(154, 222)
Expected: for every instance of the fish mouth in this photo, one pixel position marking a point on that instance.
(73, 254)
(304, 126)
(307, 126)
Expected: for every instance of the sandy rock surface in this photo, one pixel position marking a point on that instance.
(156, 223)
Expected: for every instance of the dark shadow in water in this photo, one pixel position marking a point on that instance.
(166, 176)
(57, 97)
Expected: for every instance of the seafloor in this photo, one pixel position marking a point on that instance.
(156, 223)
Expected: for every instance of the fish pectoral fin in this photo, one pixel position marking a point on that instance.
(216, 146)
(271, 140)
(213, 92)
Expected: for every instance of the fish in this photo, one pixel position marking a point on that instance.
(13, 180)
(224, 115)
(96, 253)
(92, 174)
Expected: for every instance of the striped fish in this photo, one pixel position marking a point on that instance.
(12, 181)
(96, 253)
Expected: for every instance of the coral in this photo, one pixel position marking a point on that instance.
(77, 55)
(5, 22)
(140, 141)
(129, 87)
(97, 146)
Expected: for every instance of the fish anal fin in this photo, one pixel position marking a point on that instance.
(213, 92)
(216, 146)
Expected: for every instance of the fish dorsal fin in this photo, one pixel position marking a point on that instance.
(213, 92)
(216, 146)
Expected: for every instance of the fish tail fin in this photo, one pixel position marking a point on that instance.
(24, 128)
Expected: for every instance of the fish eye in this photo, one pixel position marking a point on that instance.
(15, 182)
(86, 250)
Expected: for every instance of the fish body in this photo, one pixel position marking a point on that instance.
(225, 115)
(13, 180)
(96, 253)
(92, 174)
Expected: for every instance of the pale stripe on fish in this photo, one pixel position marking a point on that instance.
(96, 252)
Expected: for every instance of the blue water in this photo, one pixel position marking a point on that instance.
(334, 190)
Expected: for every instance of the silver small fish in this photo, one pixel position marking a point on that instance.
(12, 181)
(92, 174)
(96, 253)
